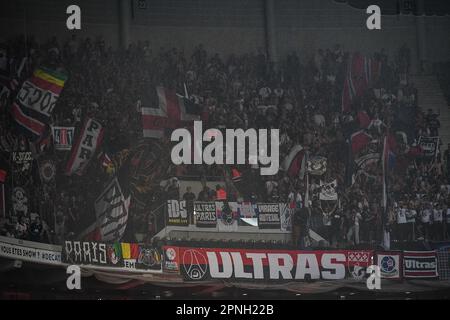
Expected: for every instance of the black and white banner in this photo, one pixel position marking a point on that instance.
(286, 213)
(420, 264)
(429, 145)
(111, 209)
(89, 139)
(205, 214)
(317, 165)
(92, 253)
(63, 137)
(177, 214)
(268, 215)
(328, 191)
(29, 251)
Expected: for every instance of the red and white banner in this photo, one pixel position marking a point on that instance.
(420, 264)
(63, 137)
(171, 111)
(89, 139)
(252, 264)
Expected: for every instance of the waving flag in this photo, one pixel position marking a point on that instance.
(111, 210)
(361, 71)
(172, 110)
(363, 119)
(89, 140)
(359, 140)
(36, 100)
(295, 162)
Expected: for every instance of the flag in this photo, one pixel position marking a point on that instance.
(63, 137)
(363, 119)
(361, 72)
(328, 191)
(429, 146)
(89, 139)
(126, 251)
(111, 211)
(34, 104)
(130, 250)
(295, 162)
(173, 110)
(389, 148)
(317, 165)
(359, 140)
(2, 176)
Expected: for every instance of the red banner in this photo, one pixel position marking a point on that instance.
(198, 264)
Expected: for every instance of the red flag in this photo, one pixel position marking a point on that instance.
(2, 176)
(134, 250)
(356, 81)
(363, 119)
(294, 163)
(359, 141)
(172, 111)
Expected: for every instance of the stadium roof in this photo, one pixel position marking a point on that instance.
(393, 7)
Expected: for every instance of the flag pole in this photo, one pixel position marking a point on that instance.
(3, 200)
(186, 95)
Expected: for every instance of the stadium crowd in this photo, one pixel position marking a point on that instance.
(301, 98)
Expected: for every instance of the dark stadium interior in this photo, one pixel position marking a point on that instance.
(87, 175)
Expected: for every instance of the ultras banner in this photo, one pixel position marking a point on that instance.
(420, 264)
(205, 214)
(198, 264)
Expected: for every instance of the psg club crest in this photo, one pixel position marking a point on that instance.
(195, 264)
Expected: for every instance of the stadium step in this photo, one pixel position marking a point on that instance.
(430, 96)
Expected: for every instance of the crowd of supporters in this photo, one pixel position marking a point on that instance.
(302, 98)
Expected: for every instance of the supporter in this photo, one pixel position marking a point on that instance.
(426, 220)
(36, 230)
(21, 229)
(354, 222)
(244, 91)
(401, 222)
(438, 222)
(189, 197)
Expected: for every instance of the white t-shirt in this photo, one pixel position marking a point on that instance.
(401, 215)
(319, 120)
(437, 215)
(425, 215)
(410, 215)
(357, 218)
(265, 92)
